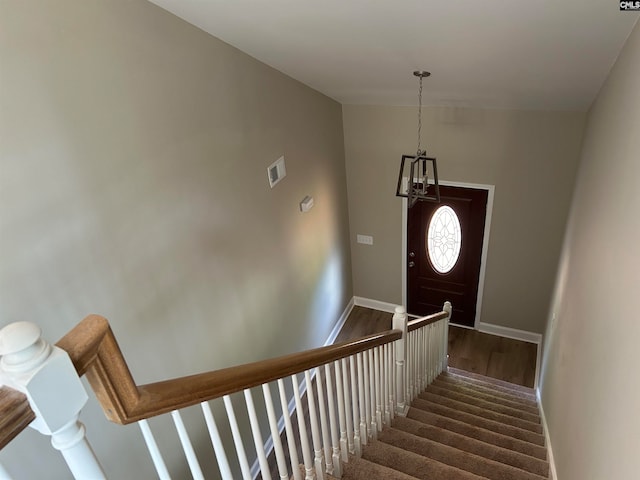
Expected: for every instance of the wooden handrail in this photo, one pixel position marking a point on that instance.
(424, 321)
(15, 414)
(94, 351)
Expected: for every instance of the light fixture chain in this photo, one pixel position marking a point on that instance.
(419, 115)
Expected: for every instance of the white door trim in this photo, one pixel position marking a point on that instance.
(485, 242)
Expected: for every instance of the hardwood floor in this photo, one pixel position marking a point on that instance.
(503, 358)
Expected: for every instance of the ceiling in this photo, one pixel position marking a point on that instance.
(536, 54)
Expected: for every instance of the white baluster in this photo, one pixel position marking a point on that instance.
(386, 380)
(291, 443)
(445, 343)
(424, 355)
(400, 323)
(347, 406)
(275, 433)
(237, 439)
(426, 352)
(192, 460)
(372, 395)
(154, 451)
(367, 395)
(344, 444)
(45, 374)
(434, 349)
(315, 430)
(302, 428)
(431, 353)
(257, 436)
(364, 435)
(392, 379)
(357, 446)
(335, 437)
(376, 371)
(437, 341)
(326, 437)
(410, 365)
(221, 456)
(416, 363)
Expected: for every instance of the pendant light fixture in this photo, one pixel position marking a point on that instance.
(418, 169)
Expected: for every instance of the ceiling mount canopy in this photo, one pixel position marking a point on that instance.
(418, 177)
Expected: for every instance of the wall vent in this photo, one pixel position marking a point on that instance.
(276, 172)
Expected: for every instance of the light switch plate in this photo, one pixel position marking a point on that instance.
(365, 239)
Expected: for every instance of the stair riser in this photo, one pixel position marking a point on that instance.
(480, 434)
(474, 410)
(486, 404)
(471, 445)
(413, 464)
(493, 381)
(511, 396)
(507, 402)
(509, 430)
(454, 457)
(498, 388)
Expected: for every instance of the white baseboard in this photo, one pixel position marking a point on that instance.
(340, 323)
(375, 304)
(508, 332)
(335, 331)
(553, 475)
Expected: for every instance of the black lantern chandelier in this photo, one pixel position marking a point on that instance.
(418, 169)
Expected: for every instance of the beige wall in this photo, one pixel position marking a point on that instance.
(133, 156)
(590, 387)
(531, 159)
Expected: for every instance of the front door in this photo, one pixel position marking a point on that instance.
(444, 246)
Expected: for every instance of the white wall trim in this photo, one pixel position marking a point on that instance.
(485, 241)
(335, 331)
(508, 332)
(553, 475)
(375, 304)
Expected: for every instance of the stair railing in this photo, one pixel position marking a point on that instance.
(351, 390)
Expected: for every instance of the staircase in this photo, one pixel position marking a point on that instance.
(463, 426)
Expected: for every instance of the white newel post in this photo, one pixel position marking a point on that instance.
(45, 374)
(447, 308)
(400, 323)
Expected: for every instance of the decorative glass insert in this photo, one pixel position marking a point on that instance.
(444, 237)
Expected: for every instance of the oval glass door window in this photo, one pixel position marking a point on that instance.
(444, 237)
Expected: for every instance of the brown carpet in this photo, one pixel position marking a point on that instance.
(462, 427)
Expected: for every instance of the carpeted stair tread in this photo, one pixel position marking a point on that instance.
(479, 411)
(362, 469)
(477, 433)
(487, 383)
(487, 389)
(483, 403)
(413, 464)
(525, 406)
(495, 381)
(454, 457)
(479, 421)
(472, 445)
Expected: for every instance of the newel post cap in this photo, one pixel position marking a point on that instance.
(18, 336)
(22, 347)
(44, 373)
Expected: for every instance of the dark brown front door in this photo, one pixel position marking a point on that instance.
(440, 272)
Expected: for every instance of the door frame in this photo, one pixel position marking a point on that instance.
(485, 241)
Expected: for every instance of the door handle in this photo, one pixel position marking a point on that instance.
(411, 254)
(412, 264)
